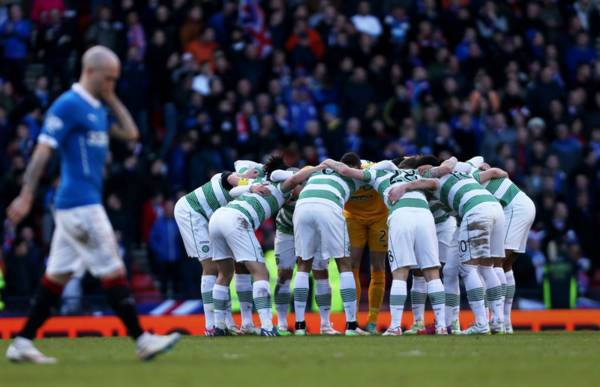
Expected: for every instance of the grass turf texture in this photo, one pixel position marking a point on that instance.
(545, 359)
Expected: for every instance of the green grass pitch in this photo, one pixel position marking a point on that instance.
(545, 359)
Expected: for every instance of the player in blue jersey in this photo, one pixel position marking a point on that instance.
(77, 127)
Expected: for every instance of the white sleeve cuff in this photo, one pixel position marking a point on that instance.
(47, 140)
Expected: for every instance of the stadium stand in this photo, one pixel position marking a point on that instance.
(214, 81)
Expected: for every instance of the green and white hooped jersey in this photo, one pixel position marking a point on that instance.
(461, 192)
(502, 188)
(328, 187)
(257, 208)
(284, 221)
(209, 197)
(440, 211)
(384, 180)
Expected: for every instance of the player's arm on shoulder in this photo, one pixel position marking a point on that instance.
(445, 168)
(492, 173)
(344, 170)
(279, 175)
(384, 165)
(21, 206)
(239, 190)
(125, 128)
(300, 177)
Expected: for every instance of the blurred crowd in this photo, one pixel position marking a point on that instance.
(209, 82)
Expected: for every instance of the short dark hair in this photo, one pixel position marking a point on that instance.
(398, 160)
(274, 162)
(427, 160)
(406, 162)
(351, 159)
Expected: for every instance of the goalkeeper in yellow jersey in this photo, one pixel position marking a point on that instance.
(366, 216)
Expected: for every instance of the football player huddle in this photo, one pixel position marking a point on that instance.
(439, 220)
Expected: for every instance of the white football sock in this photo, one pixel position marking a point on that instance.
(348, 291)
(510, 295)
(452, 290)
(397, 301)
(437, 297)
(206, 288)
(220, 296)
(262, 300)
(418, 296)
(282, 303)
(323, 298)
(300, 295)
(493, 293)
(475, 292)
(243, 287)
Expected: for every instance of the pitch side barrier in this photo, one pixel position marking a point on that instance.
(104, 326)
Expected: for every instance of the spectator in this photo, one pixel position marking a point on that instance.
(304, 45)
(15, 33)
(135, 35)
(105, 31)
(365, 22)
(165, 244)
(203, 47)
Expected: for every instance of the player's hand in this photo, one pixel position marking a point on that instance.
(19, 208)
(109, 97)
(328, 163)
(423, 169)
(396, 193)
(260, 189)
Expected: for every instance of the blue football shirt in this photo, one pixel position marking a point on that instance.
(76, 126)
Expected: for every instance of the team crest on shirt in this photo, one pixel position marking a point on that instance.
(53, 123)
(205, 249)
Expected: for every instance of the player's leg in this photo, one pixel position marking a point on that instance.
(401, 257)
(517, 232)
(243, 288)
(334, 242)
(62, 262)
(397, 296)
(427, 253)
(450, 271)
(511, 257)
(47, 296)
(497, 239)
(418, 297)
(480, 232)
(218, 226)
(100, 255)
(225, 269)
(448, 248)
(301, 287)
(323, 296)
(282, 299)
(285, 257)
(207, 282)
(437, 297)
(377, 253)
(358, 234)
(475, 294)
(247, 250)
(306, 242)
(469, 259)
(261, 292)
(193, 228)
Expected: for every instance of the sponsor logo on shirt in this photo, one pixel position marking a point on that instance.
(97, 138)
